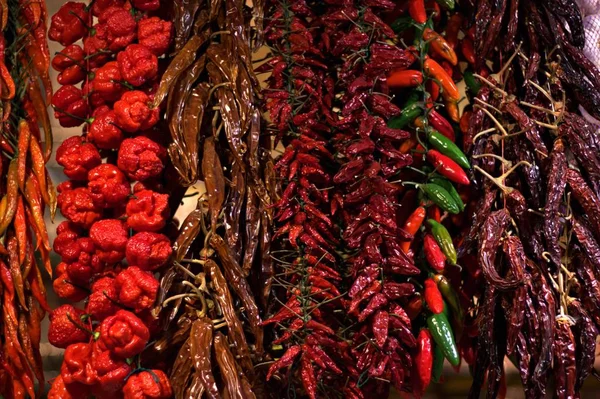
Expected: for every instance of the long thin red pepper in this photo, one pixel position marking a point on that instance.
(416, 9)
(436, 71)
(447, 167)
(440, 46)
(433, 297)
(412, 225)
(404, 78)
(423, 361)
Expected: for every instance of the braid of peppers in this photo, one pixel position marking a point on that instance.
(299, 96)
(108, 86)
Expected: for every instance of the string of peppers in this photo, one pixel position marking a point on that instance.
(107, 86)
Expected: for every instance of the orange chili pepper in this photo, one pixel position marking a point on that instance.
(22, 150)
(464, 121)
(408, 145)
(468, 51)
(11, 196)
(452, 110)
(412, 225)
(437, 72)
(33, 197)
(452, 29)
(405, 78)
(440, 46)
(416, 10)
(20, 226)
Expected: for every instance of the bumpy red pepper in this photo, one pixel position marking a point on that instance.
(447, 167)
(70, 107)
(69, 62)
(153, 384)
(120, 27)
(76, 367)
(137, 64)
(65, 244)
(62, 331)
(148, 251)
(81, 270)
(433, 297)
(137, 288)
(94, 98)
(141, 158)
(108, 186)
(110, 237)
(146, 5)
(107, 82)
(124, 334)
(148, 211)
(433, 253)
(95, 46)
(68, 24)
(99, 6)
(64, 288)
(78, 207)
(104, 131)
(133, 112)
(59, 390)
(155, 34)
(111, 371)
(77, 157)
(102, 302)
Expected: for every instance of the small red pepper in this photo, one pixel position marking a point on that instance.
(95, 46)
(468, 50)
(70, 63)
(111, 371)
(120, 27)
(148, 251)
(78, 206)
(108, 186)
(137, 288)
(452, 110)
(64, 288)
(155, 34)
(146, 5)
(65, 327)
(439, 123)
(151, 384)
(434, 255)
(77, 367)
(440, 46)
(412, 225)
(99, 6)
(123, 334)
(103, 131)
(141, 158)
(433, 297)
(137, 64)
(102, 302)
(447, 167)
(148, 211)
(423, 362)
(404, 78)
(416, 9)
(436, 71)
(110, 237)
(107, 82)
(465, 121)
(133, 112)
(68, 24)
(452, 29)
(70, 106)
(59, 390)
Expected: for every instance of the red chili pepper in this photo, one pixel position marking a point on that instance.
(284, 361)
(433, 89)
(465, 121)
(404, 78)
(380, 327)
(436, 71)
(423, 361)
(433, 297)
(447, 167)
(412, 225)
(468, 50)
(452, 29)
(434, 255)
(452, 110)
(439, 123)
(434, 212)
(440, 46)
(416, 9)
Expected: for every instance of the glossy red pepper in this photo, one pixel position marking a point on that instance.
(70, 107)
(137, 288)
(412, 225)
(423, 362)
(447, 167)
(123, 334)
(436, 71)
(155, 34)
(137, 64)
(68, 24)
(440, 46)
(468, 50)
(433, 297)
(121, 27)
(416, 9)
(404, 78)
(434, 255)
(151, 384)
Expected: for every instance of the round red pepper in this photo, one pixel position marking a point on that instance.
(110, 237)
(77, 157)
(68, 24)
(94, 98)
(62, 331)
(108, 186)
(148, 251)
(99, 6)
(111, 371)
(70, 63)
(70, 107)
(137, 64)
(146, 5)
(447, 167)
(95, 46)
(133, 112)
(104, 131)
(59, 390)
(81, 270)
(77, 206)
(155, 34)
(65, 244)
(123, 334)
(148, 211)
(120, 27)
(433, 297)
(102, 302)
(107, 82)
(137, 288)
(64, 288)
(141, 158)
(76, 367)
(152, 384)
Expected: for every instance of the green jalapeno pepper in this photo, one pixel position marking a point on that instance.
(471, 82)
(440, 329)
(402, 23)
(440, 197)
(448, 186)
(442, 236)
(447, 4)
(444, 145)
(438, 363)
(412, 109)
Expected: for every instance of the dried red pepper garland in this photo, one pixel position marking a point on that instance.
(118, 70)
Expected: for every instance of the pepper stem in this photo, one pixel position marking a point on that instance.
(82, 327)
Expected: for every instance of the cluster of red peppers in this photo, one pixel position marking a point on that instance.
(349, 223)
(116, 209)
(26, 190)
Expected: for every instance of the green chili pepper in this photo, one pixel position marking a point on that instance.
(444, 145)
(449, 294)
(410, 111)
(471, 82)
(448, 186)
(402, 24)
(440, 329)
(447, 4)
(440, 197)
(444, 240)
(438, 363)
